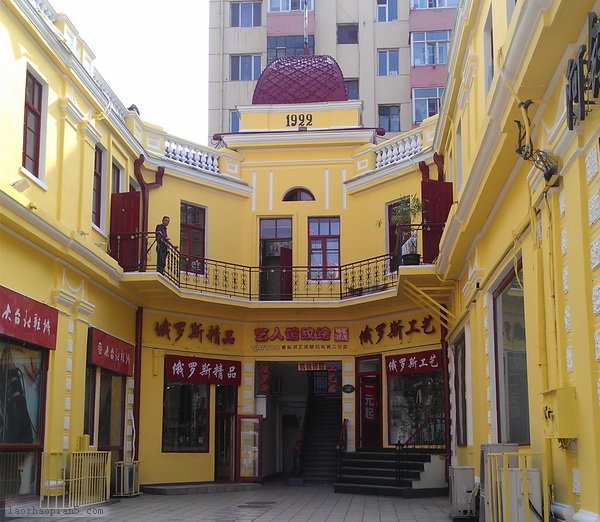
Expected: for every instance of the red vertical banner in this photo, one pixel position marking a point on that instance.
(369, 405)
(264, 383)
(332, 379)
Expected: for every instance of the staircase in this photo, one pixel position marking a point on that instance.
(319, 454)
(386, 472)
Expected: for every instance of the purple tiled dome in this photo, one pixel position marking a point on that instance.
(300, 79)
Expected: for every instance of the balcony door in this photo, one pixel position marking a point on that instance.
(275, 259)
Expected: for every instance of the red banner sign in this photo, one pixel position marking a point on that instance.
(197, 370)
(109, 352)
(28, 320)
(421, 362)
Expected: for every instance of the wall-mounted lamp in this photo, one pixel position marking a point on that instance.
(541, 160)
(21, 185)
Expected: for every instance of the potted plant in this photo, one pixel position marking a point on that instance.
(403, 215)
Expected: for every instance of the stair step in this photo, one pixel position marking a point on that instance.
(365, 489)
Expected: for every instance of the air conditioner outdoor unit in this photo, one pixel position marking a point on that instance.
(126, 479)
(518, 503)
(462, 483)
(486, 449)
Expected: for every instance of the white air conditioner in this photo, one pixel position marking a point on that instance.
(462, 483)
(518, 502)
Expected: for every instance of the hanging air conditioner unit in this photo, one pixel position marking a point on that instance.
(126, 481)
(486, 449)
(462, 483)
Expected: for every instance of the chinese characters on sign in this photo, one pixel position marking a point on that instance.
(311, 366)
(200, 370)
(396, 329)
(26, 319)
(109, 352)
(420, 362)
(583, 75)
(264, 378)
(294, 337)
(175, 331)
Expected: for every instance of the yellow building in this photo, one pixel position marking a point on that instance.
(277, 300)
(520, 131)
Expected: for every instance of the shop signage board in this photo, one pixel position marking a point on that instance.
(28, 320)
(292, 337)
(179, 368)
(110, 352)
(414, 362)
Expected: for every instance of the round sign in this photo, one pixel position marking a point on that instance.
(347, 388)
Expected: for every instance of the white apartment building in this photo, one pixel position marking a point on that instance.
(392, 53)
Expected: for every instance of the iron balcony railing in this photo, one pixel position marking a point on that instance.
(140, 252)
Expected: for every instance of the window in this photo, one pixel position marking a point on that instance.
(512, 394)
(290, 5)
(324, 247)
(352, 89)
(460, 393)
(185, 417)
(234, 121)
(387, 10)
(430, 47)
(97, 186)
(192, 237)
(110, 413)
(116, 178)
(245, 67)
(246, 14)
(278, 46)
(32, 125)
(387, 60)
(298, 194)
(347, 33)
(22, 395)
(434, 4)
(488, 51)
(426, 102)
(389, 117)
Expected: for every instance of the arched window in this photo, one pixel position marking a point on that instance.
(298, 194)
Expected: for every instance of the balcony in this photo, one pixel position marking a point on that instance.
(137, 252)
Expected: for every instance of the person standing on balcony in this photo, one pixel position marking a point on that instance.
(162, 238)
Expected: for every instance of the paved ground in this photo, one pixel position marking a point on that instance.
(274, 502)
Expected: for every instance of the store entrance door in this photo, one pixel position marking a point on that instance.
(224, 433)
(369, 397)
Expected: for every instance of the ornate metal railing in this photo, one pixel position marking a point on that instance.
(141, 252)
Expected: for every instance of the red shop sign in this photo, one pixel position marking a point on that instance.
(197, 370)
(28, 320)
(109, 352)
(419, 362)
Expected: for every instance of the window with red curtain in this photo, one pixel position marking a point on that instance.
(192, 237)
(32, 125)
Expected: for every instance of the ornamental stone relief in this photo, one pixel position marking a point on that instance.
(597, 344)
(595, 253)
(563, 241)
(569, 355)
(596, 299)
(591, 164)
(567, 319)
(594, 209)
(561, 202)
(565, 280)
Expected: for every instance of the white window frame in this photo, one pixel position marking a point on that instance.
(435, 4)
(285, 6)
(238, 5)
(254, 74)
(438, 98)
(385, 4)
(431, 45)
(234, 117)
(40, 178)
(387, 65)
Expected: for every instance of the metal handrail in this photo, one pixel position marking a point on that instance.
(342, 446)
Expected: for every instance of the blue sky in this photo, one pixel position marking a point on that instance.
(153, 54)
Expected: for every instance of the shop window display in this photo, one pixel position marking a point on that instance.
(416, 405)
(21, 394)
(185, 417)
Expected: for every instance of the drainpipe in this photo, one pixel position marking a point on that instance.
(137, 373)
(146, 188)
